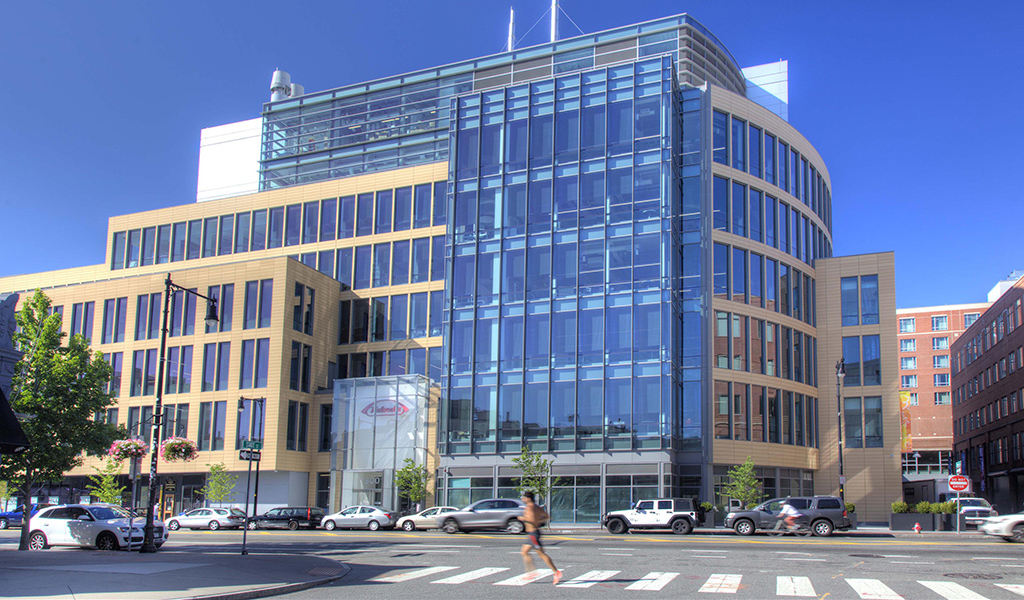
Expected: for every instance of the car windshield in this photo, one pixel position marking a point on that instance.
(103, 513)
(974, 502)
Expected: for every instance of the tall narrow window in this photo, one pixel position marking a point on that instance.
(328, 219)
(310, 222)
(258, 237)
(848, 300)
(383, 212)
(242, 232)
(293, 225)
(868, 300)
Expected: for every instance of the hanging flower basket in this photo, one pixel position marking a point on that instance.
(177, 448)
(128, 450)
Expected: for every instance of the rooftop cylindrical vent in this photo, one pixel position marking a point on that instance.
(280, 86)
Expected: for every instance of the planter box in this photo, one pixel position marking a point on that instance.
(906, 521)
(947, 522)
(853, 521)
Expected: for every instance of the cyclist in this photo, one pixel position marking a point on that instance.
(789, 514)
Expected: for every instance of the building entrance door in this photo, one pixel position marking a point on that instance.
(368, 488)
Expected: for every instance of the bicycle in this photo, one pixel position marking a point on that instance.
(801, 529)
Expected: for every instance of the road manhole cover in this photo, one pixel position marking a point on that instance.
(867, 556)
(972, 576)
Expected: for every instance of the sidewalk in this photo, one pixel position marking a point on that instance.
(92, 575)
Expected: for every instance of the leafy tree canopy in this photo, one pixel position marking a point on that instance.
(411, 481)
(743, 484)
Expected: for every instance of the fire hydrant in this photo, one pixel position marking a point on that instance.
(917, 527)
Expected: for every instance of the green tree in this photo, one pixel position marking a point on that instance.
(220, 485)
(59, 388)
(536, 475)
(5, 494)
(411, 481)
(104, 486)
(743, 484)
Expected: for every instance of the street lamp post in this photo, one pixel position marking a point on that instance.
(840, 374)
(211, 318)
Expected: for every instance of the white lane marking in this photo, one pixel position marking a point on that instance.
(444, 546)
(589, 578)
(873, 589)
(952, 591)
(910, 562)
(708, 556)
(413, 574)
(630, 549)
(615, 554)
(526, 578)
(1013, 587)
(470, 576)
(898, 556)
(723, 551)
(721, 584)
(807, 559)
(794, 586)
(992, 558)
(800, 553)
(653, 581)
(417, 551)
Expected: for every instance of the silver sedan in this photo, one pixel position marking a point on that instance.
(208, 518)
(425, 519)
(360, 517)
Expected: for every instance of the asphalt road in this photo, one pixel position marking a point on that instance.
(427, 565)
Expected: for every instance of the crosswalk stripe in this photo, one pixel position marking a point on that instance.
(952, 591)
(722, 584)
(470, 576)
(589, 578)
(794, 586)
(873, 589)
(652, 581)
(413, 574)
(1015, 588)
(526, 578)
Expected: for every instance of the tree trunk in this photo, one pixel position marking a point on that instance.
(26, 515)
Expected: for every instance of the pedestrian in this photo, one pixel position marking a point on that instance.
(533, 518)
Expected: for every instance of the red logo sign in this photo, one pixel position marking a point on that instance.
(385, 408)
(959, 483)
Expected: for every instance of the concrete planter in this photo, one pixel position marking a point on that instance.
(853, 520)
(906, 521)
(947, 522)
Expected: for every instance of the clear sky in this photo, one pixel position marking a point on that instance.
(915, 106)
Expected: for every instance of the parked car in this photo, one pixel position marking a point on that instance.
(680, 515)
(291, 517)
(495, 513)
(425, 519)
(974, 510)
(13, 518)
(824, 514)
(1008, 527)
(361, 517)
(208, 518)
(100, 526)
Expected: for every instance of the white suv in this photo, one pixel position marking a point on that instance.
(100, 526)
(680, 515)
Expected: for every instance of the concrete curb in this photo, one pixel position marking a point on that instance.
(274, 590)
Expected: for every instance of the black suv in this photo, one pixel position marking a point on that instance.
(824, 514)
(291, 517)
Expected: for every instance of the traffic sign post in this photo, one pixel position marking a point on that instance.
(958, 483)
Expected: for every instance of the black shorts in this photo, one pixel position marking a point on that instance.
(534, 537)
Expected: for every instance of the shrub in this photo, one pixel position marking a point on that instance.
(707, 506)
(947, 508)
(900, 506)
(923, 507)
(851, 507)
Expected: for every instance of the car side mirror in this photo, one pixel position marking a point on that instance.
(84, 518)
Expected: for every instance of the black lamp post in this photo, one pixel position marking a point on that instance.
(840, 374)
(211, 318)
(252, 430)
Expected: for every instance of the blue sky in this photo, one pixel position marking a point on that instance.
(913, 105)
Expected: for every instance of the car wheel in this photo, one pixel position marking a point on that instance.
(514, 526)
(1018, 533)
(293, 525)
(617, 526)
(744, 527)
(4, 524)
(214, 525)
(409, 525)
(373, 525)
(253, 525)
(330, 525)
(450, 526)
(106, 541)
(822, 528)
(37, 541)
(681, 526)
(173, 526)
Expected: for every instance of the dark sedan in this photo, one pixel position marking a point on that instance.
(290, 517)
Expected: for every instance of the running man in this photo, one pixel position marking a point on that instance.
(533, 517)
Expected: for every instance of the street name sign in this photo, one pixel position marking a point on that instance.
(253, 455)
(252, 445)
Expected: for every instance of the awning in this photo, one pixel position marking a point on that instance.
(12, 438)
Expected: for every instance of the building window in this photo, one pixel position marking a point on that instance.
(302, 312)
(970, 318)
(908, 345)
(183, 313)
(114, 317)
(212, 419)
(869, 299)
(907, 325)
(258, 303)
(908, 381)
(940, 343)
(326, 427)
(908, 363)
(942, 380)
(216, 363)
(872, 369)
(940, 362)
(913, 398)
(298, 414)
(849, 301)
(941, 398)
(300, 367)
(81, 319)
(225, 296)
(940, 323)
(113, 387)
(255, 363)
(178, 379)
